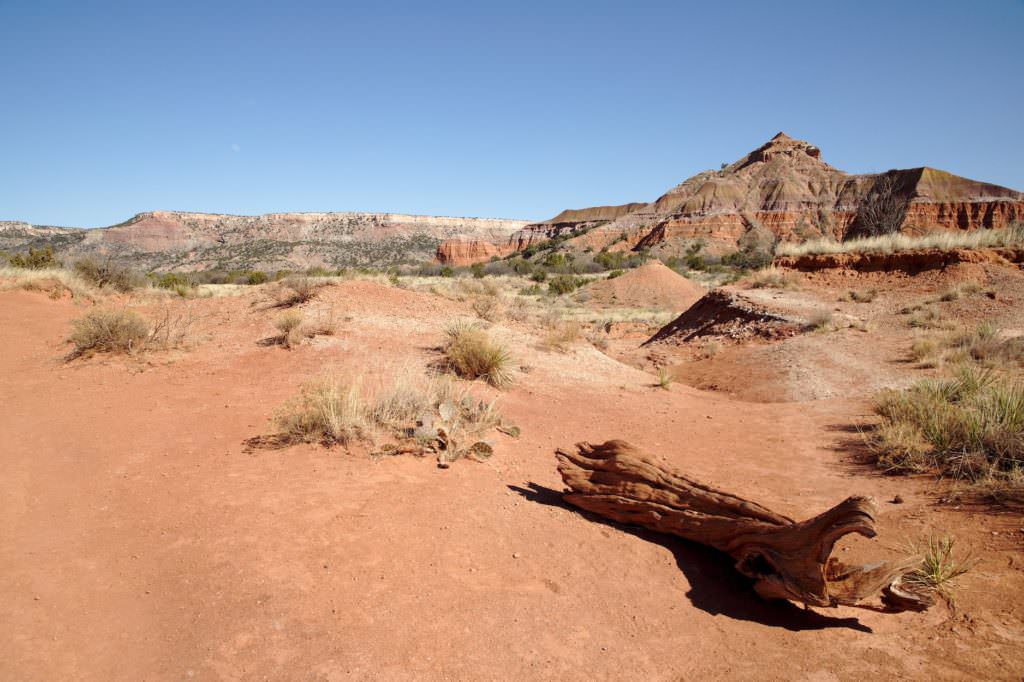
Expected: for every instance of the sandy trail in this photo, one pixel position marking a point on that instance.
(140, 540)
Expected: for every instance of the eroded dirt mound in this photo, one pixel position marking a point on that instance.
(652, 285)
(726, 315)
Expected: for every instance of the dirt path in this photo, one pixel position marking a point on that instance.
(139, 540)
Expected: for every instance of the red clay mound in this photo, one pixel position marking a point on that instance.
(652, 285)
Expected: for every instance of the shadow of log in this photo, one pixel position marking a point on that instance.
(715, 585)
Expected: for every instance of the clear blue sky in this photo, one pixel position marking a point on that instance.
(515, 109)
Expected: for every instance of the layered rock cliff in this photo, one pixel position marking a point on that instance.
(783, 191)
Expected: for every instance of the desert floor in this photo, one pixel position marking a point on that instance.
(143, 537)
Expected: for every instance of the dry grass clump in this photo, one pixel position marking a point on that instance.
(866, 296)
(958, 291)
(892, 243)
(417, 405)
(327, 409)
(294, 327)
(293, 291)
(970, 427)
(822, 321)
(770, 277)
(105, 330)
(925, 351)
(472, 354)
(924, 317)
(426, 414)
(288, 324)
(560, 337)
(984, 345)
(665, 379)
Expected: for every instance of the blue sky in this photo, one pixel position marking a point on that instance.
(481, 109)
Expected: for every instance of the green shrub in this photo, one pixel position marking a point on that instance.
(35, 259)
(256, 277)
(615, 273)
(108, 331)
(446, 271)
(564, 284)
(478, 270)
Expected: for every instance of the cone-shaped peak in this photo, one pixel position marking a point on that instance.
(781, 146)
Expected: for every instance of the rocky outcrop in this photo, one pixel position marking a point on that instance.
(468, 251)
(162, 240)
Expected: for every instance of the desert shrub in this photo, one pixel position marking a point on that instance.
(106, 330)
(179, 283)
(487, 307)
(170, 328)
(611, 260)
(319, 271)
(105, 273)
(471, 354)
(497, 268)
(664, 379)
(296, 290)
(538, 276)
(554, 260)
(256, 277)
(446, 271)
(564, 284)
(615, 273)
(478, 270)
(327, 410)
(753, 258)
(518, 309)
(969, 427)
(35, 259)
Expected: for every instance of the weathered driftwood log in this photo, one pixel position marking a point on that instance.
(787, 559)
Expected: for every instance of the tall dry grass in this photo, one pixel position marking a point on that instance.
(893, 243)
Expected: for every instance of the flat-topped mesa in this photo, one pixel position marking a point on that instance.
(579, 220)
(195, 241)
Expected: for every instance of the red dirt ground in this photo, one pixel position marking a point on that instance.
(141, 540)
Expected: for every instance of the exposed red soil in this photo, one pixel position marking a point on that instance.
(140, 540)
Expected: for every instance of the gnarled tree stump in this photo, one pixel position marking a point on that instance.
(786, 559)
